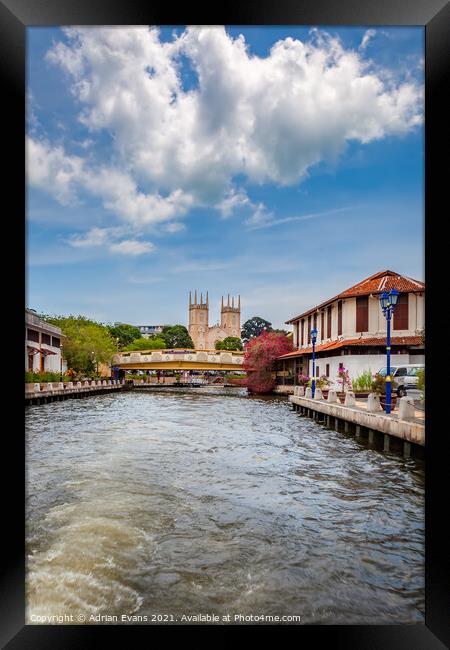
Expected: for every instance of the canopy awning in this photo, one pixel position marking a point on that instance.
(32, 350)
(46, 352)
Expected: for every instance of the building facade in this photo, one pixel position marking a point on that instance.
(150, 330)
(42, 345)
(205, 336)
(352, 330)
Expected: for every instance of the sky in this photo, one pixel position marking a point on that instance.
(284, 164)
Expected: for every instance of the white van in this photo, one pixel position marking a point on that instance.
(405, 376)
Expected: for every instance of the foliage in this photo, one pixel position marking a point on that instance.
(379, 384)
(321, 382)
(125, 334)
(45, 377)
(421, 379)
(152, 343)
(344, 378)
(363, 382)
(229, 343)
(260, 353)
(254, 327)
(176, 336)
(86, 342)
(303, 380)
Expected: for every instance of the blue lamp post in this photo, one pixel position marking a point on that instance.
(313, 382)
(388, 302)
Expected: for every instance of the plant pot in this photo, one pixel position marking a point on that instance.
(393, 402)
(325, 392)
(361, 394)
(341, 396)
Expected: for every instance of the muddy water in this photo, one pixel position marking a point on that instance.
(175, 505)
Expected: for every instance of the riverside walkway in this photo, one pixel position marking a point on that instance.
(56, 391)
(404, 427)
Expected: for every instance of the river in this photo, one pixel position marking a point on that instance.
(164, 506)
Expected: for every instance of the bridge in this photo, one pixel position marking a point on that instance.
(179, 360)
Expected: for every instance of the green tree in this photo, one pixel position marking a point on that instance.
(125, 333)
(152, 343)
(86, 343)
(176, 336)
(254, 327)
(229, 343)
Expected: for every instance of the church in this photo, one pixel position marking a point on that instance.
(204, 336)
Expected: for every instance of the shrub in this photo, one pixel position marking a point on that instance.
(363, 382)
(260, 353)
(421, 380)
(379, 384)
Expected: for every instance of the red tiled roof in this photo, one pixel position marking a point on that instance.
(372, 341)
(377, 283)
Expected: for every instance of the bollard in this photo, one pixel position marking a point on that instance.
(301, 391)
(60, 385)
(406, 409)
(86, 383)
(69, 384)
(332, 396)
(373, 403)
(318, 393)
(78, 384)
(349, 399)
(308, 392)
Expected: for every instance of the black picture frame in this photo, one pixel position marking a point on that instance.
(434, 16)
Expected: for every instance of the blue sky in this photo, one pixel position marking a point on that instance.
(284, 164)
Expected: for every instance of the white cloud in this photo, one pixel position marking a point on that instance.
(108, 239)
(132, 247)
(369, 34)
(261, 119)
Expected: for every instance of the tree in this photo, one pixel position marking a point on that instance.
(254, 327)
(260, 353)
(229, 343)
(176, 336)
(125, 333)
(86, 343)
(152, 343)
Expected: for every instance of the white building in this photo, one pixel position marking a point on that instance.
(150, 330)
(42, 345)
(352, 329)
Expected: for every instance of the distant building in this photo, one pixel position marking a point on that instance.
(203, 336)
(352, 329)
(42, 344)
(149, 330)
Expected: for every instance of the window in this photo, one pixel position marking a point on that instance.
(309, 329)
(322, 326)
(45, 338)
(401, 313)
(33, 335)
(56, 342)
(303, 331)
(362, 314)
(329, 322)
(327, 371)
(317, 371)
(339, 317)
(297, 333)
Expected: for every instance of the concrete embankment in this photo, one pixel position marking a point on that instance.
(56, 391)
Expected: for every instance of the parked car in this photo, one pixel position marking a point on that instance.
(405, 376)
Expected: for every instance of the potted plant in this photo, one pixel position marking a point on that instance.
(362, 385)
(323, 383)
(379, 387)
(346, 383)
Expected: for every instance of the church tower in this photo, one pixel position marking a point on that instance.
(198, 321)
(230, 317)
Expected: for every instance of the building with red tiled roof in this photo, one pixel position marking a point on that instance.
(352, 329)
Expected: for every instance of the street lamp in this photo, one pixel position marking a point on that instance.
(313, 382)
(61, 363)
(388, 302)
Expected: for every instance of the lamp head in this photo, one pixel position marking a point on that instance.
(314, 334)
(384, 301)
(393, 297)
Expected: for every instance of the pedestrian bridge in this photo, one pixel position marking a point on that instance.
(179, 360)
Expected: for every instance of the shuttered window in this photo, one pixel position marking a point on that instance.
(309, 329)
(362, 314)
(329, 322)
(303, 331)
(322, 325)
(327, 373)
(297, 330)
(33, 335)
(45, 338)
(401, 313)
(339, 317)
